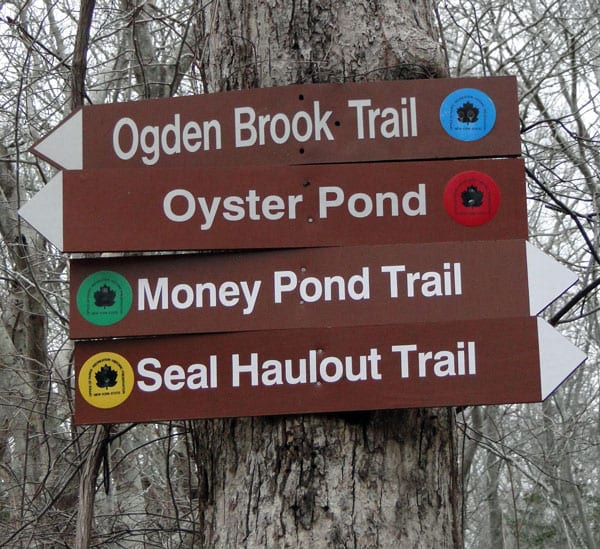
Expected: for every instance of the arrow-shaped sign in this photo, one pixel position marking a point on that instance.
(301, 124)
(268, 290)
(45, 211)
(63, 147)
(492, 361)
(281, 207)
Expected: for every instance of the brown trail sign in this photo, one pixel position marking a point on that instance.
(300, 124)
(312, 287)
(495, 361)
(154, 209)
(423, 297)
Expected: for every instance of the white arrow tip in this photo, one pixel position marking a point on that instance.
(63, 146)
(558, 358)
(44, 212)
(547, 279)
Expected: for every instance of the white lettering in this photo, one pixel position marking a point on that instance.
(420, 207)
(389, 122)
(175, 377)
(361, 205)
(206, 289)
(192, 137)
(172, 132)
(321, 123)
(150, 144)
(284, 122)
(428, 284)
(179, 205)
(184, 296)
(160, 294)
(209, 212)
(251, 130)
(328, 288)
(154, 377)
(338, 369)
(311, 369)
(308, 126)
(170, 139)
(285, 281)
(359, 104)
(246, 125)
(238, 368)
(125, 155)
(354, 205)
(229, 294)
(393, 271)
(337, 199)
(190, 208)
(442, 363)
(250, 295)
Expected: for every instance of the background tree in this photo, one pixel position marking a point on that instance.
(539, 462)
(342, 479)
(333, 480)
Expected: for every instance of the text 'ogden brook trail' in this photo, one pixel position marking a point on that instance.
(251, 129)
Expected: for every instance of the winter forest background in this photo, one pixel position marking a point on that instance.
(529, 473)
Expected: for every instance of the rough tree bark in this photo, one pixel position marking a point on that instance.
(379, 479)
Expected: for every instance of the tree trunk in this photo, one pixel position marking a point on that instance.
(87, 485)
(378, 479)
(493, 469)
